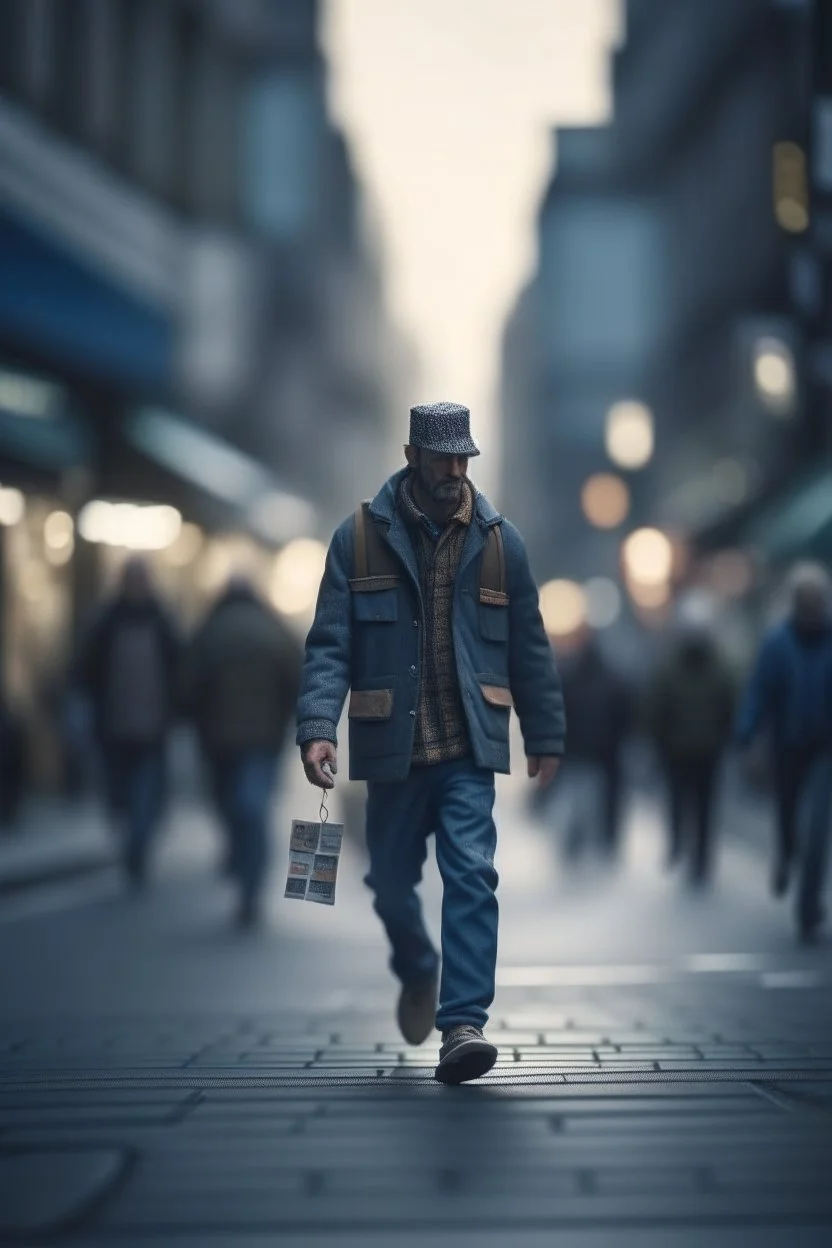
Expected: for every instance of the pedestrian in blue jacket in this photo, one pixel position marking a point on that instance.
(790, 694)
(435, 656)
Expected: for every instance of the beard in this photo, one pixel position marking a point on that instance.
(447, 491)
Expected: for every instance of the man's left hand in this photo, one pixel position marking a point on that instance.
(545, 767)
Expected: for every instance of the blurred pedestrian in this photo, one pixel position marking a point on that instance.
(429, 614)
(128, 666)
(789, 694)
(241, 684)
(599, 711)
(689, 713)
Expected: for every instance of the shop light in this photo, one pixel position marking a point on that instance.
(628, 434)
(132, 526)
(58, 538)
(12, 505)
(605, 500)
(774, 374)
(186, 547)
(58, 530)
(649, 597)
(296, 576)
(603, 601)
(648, 558)
(563, 607)
(790, 188)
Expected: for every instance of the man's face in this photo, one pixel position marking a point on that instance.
(440, 476)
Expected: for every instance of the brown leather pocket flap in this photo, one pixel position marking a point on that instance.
(372, 584)
(371, 704)
(497, 695)
(493, 598)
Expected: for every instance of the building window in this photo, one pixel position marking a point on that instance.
(39, 45)
(103, 96)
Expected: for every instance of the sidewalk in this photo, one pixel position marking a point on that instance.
(664, 1080)
(54, 841)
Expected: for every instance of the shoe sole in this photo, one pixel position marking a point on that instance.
(470, 1061)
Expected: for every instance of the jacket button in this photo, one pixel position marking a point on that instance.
(413, 714)
(413, 669)
(415, 623)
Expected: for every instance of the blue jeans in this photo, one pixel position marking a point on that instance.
(243, 784)
(134, 781)
(456, 801)
(816, 797)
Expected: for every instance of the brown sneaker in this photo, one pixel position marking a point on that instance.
(416, 1011)
(465, 1054)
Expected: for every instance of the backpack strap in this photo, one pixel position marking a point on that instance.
(375, 564)
(493, 569)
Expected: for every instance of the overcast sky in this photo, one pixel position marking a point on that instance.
(449, 105)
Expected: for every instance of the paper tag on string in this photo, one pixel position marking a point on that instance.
(314, 855)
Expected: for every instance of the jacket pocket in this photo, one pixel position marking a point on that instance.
(497, 695)
(371, 704)
(377, 606)
(493, 611)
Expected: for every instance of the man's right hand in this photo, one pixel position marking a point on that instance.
(314, 754)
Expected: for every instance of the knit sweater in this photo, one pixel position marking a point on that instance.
(441, 729)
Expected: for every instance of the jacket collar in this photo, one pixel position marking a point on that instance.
(383, 506)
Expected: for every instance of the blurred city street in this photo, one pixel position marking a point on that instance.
(439, 377)
(665, 1071)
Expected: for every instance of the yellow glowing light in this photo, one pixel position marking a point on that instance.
(792, 215)
(649, 597)
(774, 373)
(130, 525)
(791, 190)
(648, 558)
(296, 576)
(629, 434)
(58, 531)
(12, 505)
(186, 547)
(563, 607)
(605, 500)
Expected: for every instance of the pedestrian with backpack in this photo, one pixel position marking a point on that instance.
(428, 616)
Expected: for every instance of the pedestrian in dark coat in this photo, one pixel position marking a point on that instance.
(689, 712)
(600, 712)
(128, 666)
(434, 662)
(789, 695)
(240, 686)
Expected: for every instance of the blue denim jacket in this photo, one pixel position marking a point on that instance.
(369, 644)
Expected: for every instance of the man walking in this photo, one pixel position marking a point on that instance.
(128, 667)
(429, 614)
(689, 711)
(241, 685)
(790, 694)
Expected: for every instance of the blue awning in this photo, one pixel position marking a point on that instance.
(50, 302)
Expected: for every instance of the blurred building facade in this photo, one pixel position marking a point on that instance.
(191, 314)
(674, 253)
